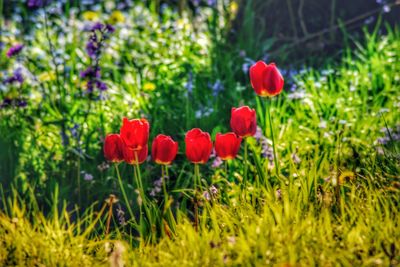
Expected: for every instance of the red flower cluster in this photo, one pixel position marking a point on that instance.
(131, 145)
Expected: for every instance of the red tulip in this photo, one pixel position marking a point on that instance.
(113, 148)
(266, 80)
(198, 146)
(243, 121)
(227, 145)
(135, 133)
(130, 154)
(164, 149)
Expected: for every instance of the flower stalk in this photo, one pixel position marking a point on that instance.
(271, 130)
(124, 193)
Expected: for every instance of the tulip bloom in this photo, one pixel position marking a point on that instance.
(135, 133)
(266, 80)
(112, 148)
(243, 121)
(164, 149)
(227, 145)
(198, 146)
(130, 155)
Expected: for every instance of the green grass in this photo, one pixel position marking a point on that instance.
(334, 202)
(290, 230)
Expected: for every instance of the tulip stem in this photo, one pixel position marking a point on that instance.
(245, 164)
(268, 114)
(139, 178)
(124, 193)
(164, 169)
(140, 203)
(226, 169)
(197, 174)
(196, 210)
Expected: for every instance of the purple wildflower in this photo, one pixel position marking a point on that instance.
(64, 138)
(217, 87)
(101, 86)
(16, 77)
(266, 149)
(99, 33)
(87, 177)
(92, 49)
(35, 3)
(211, 3)
(157, 187)
(90, 73)
(6, 102)
(189, 83)
(259, 134)
(121, 215)
(207, 195)
(248, 62)
(14, 50)
(217, 162)
(386, 8)
(98, 26)
(213, 190)
(110, 28)
(21, 103)
(89, 86)
(74, 131)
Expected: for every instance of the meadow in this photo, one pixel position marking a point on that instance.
(309, 175)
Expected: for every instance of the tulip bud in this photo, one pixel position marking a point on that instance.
(164, 149)
(198, 146)
(113, 148)
(266, 80)
(227, 145)
(243, 121)
(135, 133)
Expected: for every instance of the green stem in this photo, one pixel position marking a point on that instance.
(226, 169)
(196, 210)
(245, 164)
(124, 193)
(168, 212)
(79, 181)
(139, 178)
(135, 176)
(197, 174)
(164, 185)
(268, 114)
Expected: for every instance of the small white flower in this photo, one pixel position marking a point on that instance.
(87, 177)
(322, 124)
